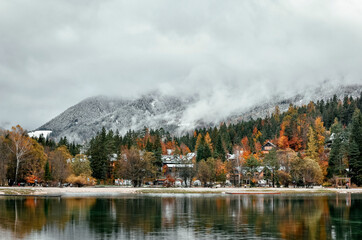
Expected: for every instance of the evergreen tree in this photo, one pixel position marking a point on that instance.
(337, 164)
(355, 153)
(207, 151)
(99, 158)
(200, 153)
(149, 146)
(271, 161)
(63, 142)
(47, 173)
(157, 151)
(355, 165)
(41, 140)
(203, 149)
(219, 149)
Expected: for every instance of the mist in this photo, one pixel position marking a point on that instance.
(230, 55)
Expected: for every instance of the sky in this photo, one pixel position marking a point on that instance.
(231, 54)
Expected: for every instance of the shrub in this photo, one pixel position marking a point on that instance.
(81, 180)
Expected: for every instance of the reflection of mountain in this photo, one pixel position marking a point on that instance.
(186, 216)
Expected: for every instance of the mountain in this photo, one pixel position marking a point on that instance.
(83, 120)
(154, 110)
(323, 92)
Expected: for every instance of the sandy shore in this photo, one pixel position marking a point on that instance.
(113, 191)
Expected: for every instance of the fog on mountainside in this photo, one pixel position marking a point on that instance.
(176, 114)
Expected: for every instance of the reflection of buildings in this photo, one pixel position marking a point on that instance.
(196, 216)
(168, 210)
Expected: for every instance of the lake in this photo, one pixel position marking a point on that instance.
(183, 216)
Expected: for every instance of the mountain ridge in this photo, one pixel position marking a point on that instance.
(154, 110)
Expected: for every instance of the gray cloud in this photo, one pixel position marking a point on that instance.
(232, 54)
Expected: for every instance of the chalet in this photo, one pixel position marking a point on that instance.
(171, 164)
(267, 147)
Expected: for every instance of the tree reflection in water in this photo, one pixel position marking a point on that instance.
(184, 216)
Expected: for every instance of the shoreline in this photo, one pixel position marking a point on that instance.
(117, 191)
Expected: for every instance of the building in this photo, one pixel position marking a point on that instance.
(172, 163)
(267, 147)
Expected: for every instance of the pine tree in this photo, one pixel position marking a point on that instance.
(99, 156)
(337, 164)
(271, 161)
(355, 165)
(47, 173)
(355, 153)
(200, 153)
(157, 151)
(149, 146)
(63, 141)
(335, 158)
(207, 151)
(219, 149)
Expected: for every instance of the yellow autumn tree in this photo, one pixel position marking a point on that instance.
(34, 164)
(208, 141)
(320, 132)
(312, 145)
(59, 161)
(198, 141)
(20, 145)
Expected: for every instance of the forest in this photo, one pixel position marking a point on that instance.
(313, 145)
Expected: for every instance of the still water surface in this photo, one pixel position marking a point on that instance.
(183, 216)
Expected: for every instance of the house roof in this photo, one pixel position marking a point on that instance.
(269, 144)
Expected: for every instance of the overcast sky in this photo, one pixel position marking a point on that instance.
(54, 54)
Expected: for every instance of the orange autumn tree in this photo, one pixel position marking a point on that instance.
(246, 147)
(140, 143)
(291, 132)
(256, 136)
(283, 142)
(220, 171)
(163, 147)
(170, 145)
(184, 149)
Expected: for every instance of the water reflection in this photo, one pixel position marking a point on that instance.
(184, 217)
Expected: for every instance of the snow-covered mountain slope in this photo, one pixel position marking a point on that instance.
(155, 110)
(85, 119)
(37, 134)
(323, 92)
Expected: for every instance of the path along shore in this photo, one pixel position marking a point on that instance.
(114, 191)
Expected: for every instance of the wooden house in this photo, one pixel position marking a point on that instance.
(267, 147)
